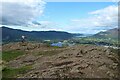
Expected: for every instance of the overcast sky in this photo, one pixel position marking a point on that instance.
(74, 17)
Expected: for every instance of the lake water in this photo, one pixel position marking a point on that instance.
(59, 44)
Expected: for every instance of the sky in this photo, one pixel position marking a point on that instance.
(73, 17)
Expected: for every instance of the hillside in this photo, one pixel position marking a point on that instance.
(13, 35)
(109, 34)
(37, 60)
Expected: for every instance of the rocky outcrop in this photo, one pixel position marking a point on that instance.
(81, 61)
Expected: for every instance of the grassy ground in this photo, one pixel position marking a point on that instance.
(11, 55)
(8, 72)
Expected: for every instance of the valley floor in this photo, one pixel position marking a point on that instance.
(37, 60)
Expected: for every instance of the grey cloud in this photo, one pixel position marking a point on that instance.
(20, 14)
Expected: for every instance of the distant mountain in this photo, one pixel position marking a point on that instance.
(78, 35)
(109, 34)
(9, 34)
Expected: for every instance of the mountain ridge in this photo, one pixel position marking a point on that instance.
(109, 34)
(15, 34)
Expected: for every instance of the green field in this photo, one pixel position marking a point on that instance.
(11, 55)
(8, 72)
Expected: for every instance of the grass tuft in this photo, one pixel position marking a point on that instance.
(11, 55)
(13, 72)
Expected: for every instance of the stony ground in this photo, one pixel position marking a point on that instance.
(80, 61)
